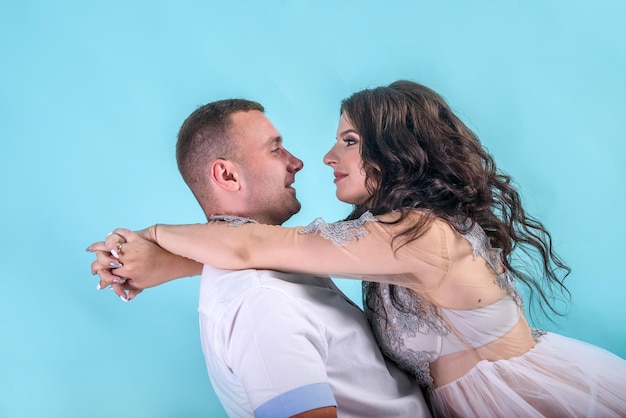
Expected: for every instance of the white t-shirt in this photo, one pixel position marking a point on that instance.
(279, 344)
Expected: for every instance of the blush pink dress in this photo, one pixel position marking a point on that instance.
(479, 362)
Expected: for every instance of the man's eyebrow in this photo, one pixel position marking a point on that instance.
(275, 140)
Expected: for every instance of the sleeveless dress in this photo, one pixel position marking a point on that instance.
(558, 377)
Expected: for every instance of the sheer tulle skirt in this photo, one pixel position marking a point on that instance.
(559, 377)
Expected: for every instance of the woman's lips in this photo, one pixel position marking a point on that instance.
(340, 176)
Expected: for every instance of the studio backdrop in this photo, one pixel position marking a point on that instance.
(91, 98)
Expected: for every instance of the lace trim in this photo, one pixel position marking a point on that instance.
(393, 321)
(480, 243)
(416, 362)
(537, 333)
(340, 233)
(233, 220)
(421, 313)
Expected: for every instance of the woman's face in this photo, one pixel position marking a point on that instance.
(345, 159)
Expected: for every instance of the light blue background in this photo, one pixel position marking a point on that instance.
(92, 95)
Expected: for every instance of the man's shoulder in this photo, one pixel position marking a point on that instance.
(222, 290)
(239, 281)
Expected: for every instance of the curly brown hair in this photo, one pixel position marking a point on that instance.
(417, 154)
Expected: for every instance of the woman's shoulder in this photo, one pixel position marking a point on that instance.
(413, 217)
(413, 227)
(417, 230)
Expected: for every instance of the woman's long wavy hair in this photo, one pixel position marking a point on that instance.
(417, 154)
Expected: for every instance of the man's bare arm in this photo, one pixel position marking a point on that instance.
(326, 412)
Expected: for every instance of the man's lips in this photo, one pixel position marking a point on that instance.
(340, 176)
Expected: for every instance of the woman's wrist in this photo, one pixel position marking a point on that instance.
(149, 234)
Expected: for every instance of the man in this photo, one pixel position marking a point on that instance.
(275, 344)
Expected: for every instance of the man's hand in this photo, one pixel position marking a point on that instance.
(128, 262)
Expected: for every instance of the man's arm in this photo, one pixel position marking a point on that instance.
(327, 412)
(275, 347)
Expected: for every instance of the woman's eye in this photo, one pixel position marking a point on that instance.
(349, 141)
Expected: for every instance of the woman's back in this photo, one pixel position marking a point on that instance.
(472, 312)
(465, 337)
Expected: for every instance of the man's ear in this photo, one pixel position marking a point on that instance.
(224, 174)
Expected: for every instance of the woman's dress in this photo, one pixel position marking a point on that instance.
(557, 377)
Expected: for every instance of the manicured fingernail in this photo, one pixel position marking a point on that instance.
(115, 264)
(115, 254)
(98, 287)
(119, 281)
(110, 233)
(124, 298)
(88, 249)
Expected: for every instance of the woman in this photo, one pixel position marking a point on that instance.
(433, 234)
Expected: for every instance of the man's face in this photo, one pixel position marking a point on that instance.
(268, 169)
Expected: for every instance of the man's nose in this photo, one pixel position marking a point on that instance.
(295, 164)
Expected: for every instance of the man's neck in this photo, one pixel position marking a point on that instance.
(239, 217)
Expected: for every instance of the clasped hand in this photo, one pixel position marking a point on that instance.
(130, 262)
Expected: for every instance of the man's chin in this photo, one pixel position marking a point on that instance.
(297, 208)
(294, 208)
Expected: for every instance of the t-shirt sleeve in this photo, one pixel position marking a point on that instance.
(278, 351)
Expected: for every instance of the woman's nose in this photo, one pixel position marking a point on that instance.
(330, 157)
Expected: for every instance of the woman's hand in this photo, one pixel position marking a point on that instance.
(149, 233)
(128, 262)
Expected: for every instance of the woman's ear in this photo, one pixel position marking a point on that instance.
(224, 174)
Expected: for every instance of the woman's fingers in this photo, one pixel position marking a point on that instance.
(105, 259)
(118, 289)
(109, 265)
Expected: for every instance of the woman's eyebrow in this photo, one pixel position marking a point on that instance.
(347, 131)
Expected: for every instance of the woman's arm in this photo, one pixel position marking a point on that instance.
(287, 249)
